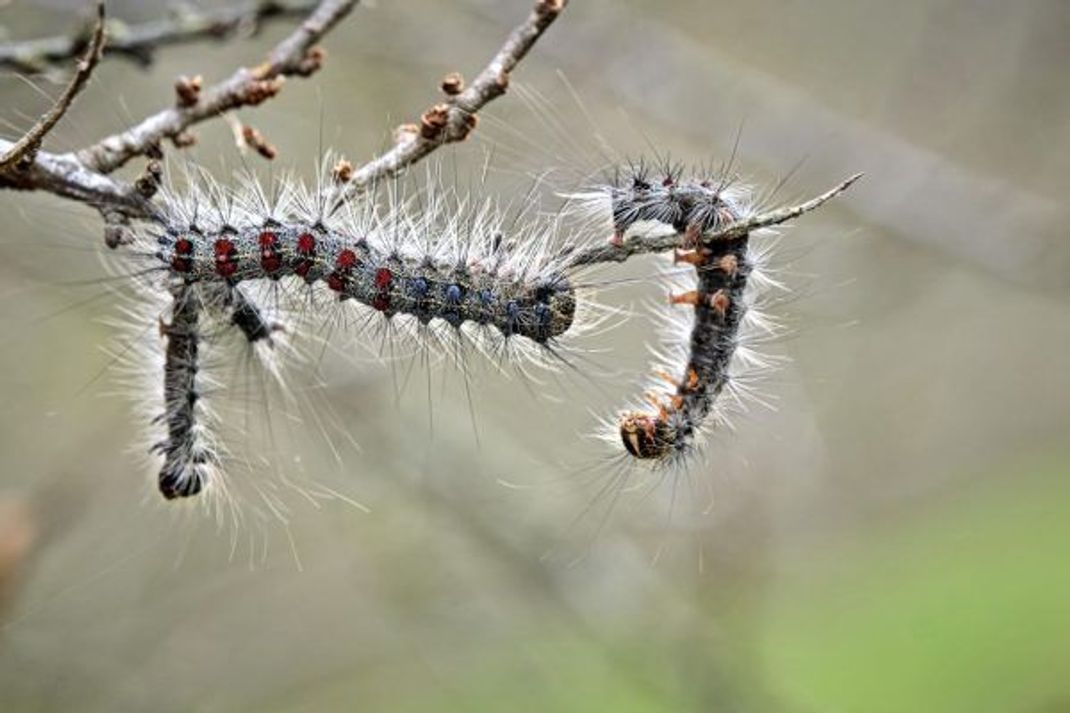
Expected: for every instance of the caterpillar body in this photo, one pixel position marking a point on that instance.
(187, 458)
(721, 301)
(718, 305)
(538, 307)
(465, 270)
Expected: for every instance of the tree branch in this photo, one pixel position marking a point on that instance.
(22, 152)
(295, 55)
(455, 118)
(139, 42)
(65, 176)
(640, 245)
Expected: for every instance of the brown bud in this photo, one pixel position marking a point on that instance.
(255, 140)
(549, 7)
(117, 229)
(311, 62)
(188, 90)
(453, 84)
(260, 90)
(184, 139)
(342, 171)
(149, 181)
(434, 121)
(471, 121)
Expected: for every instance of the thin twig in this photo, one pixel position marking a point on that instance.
(139, 42)
(294, 55)
(25, 148)
(640, 245)
(455, 118)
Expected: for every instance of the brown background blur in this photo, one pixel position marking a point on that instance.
(893, 537)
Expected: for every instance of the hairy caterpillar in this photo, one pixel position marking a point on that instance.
(457, 290)
(458, 270)
(723, 313)
(187, 457)
(692, 207)
(717, 300)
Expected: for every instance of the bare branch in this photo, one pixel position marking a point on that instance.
(139, 42)
(65, 176)
(25, 148)
(455, 118)
(640, 245)
(295, 55)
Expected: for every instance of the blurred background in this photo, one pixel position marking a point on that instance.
(894, 536)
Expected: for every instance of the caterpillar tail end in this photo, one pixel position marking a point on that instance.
(177, 480)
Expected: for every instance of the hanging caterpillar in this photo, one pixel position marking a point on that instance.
(692, 207)
(722, 270)
(188, 457)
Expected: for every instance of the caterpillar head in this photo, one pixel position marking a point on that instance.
(646, 436)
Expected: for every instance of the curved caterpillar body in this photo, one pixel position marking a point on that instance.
(692, 207)
(722, 271)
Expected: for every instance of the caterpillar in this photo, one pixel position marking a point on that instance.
(722, 270)
(465, 269)
(363, 266)
(430, 259)
(723, 315)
